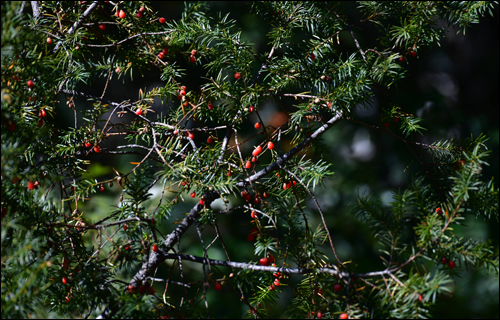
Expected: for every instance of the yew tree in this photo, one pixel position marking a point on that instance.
(203, 190)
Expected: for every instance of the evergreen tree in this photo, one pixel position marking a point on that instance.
(240, 132)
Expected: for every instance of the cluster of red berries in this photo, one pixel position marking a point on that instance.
(163, 52)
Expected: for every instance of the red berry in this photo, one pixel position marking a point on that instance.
(250, 237)
(42, 113)
(183, 88)
(49, 40)
(210, 105)
(401, 59)
(162, 20)
(272, 287)
(254, 159)
(141, 9)
(319, 315)
(192, 59)
(421, 297)
(439, 211)
(184, 183)
(329, 104)
(248, 165)
(176, 131)
(202, 202)
(193, 52)
(101, 188)
(31, 185)
(237, 75)
(265, 194)
(413, 54)
(87, 144)
(217, 286)
(337, 287)
(102, 26)
(138, 112)
(117, 13)
(131, 288)
(257, 125)
(253, 215)
(257, 151)
(121, 14)
(125, 227)
(386, 124)
(138, 14)
(97, 149)
(64, 280)
(182, 92)
(270, 145)
(117, 70)
(396, 119)
(161, 55)
(452, 264)
(30, 84)
(193, 194)
(155, 248)
(344, 316)
(312, 56)
(164, 50)
(264, 261)
(256, 200)
(251, 109)
(210, 140)
(444, 260)
(191, 135)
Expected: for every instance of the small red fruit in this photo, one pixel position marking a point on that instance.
(254, 159)
(264, 261)
(97, 149)
(30, 84)
(125, 227)
(121, 14)
(102, 26)
(257, 151)
(193, 194)
(42, 113)
(193, 52)
(247, 197)
(101, 188)
(439, 211)
(421, 297)
(161, 55)
(396, 119)
(312, 56)
(452, 264)
(272, 287)
(276, 283)
(192, 59)
(138, 112)
(413, 54)
(257, 125)
(337, 287)
(329, 104)
(191, 135)
(237, 75)
(253, 215)
(248, 165)
(49, 40)
(182, 92)
(64, 280)
(401, 59)
(162, 20)
(251, 109)
(184, 183)
(217, 286)
(344, 316)
(270, 145)
(444, 260)
(202, 202)
(265, 194)
(256, 200)
(183, 88)
(138, 14)
(164, 50)
(210, 106)
(131, 288)
(142, 9)
(31, 185)
(155, 248)
(210, 140)
(87, 144)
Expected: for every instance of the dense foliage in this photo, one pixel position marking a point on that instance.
(241, 133)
